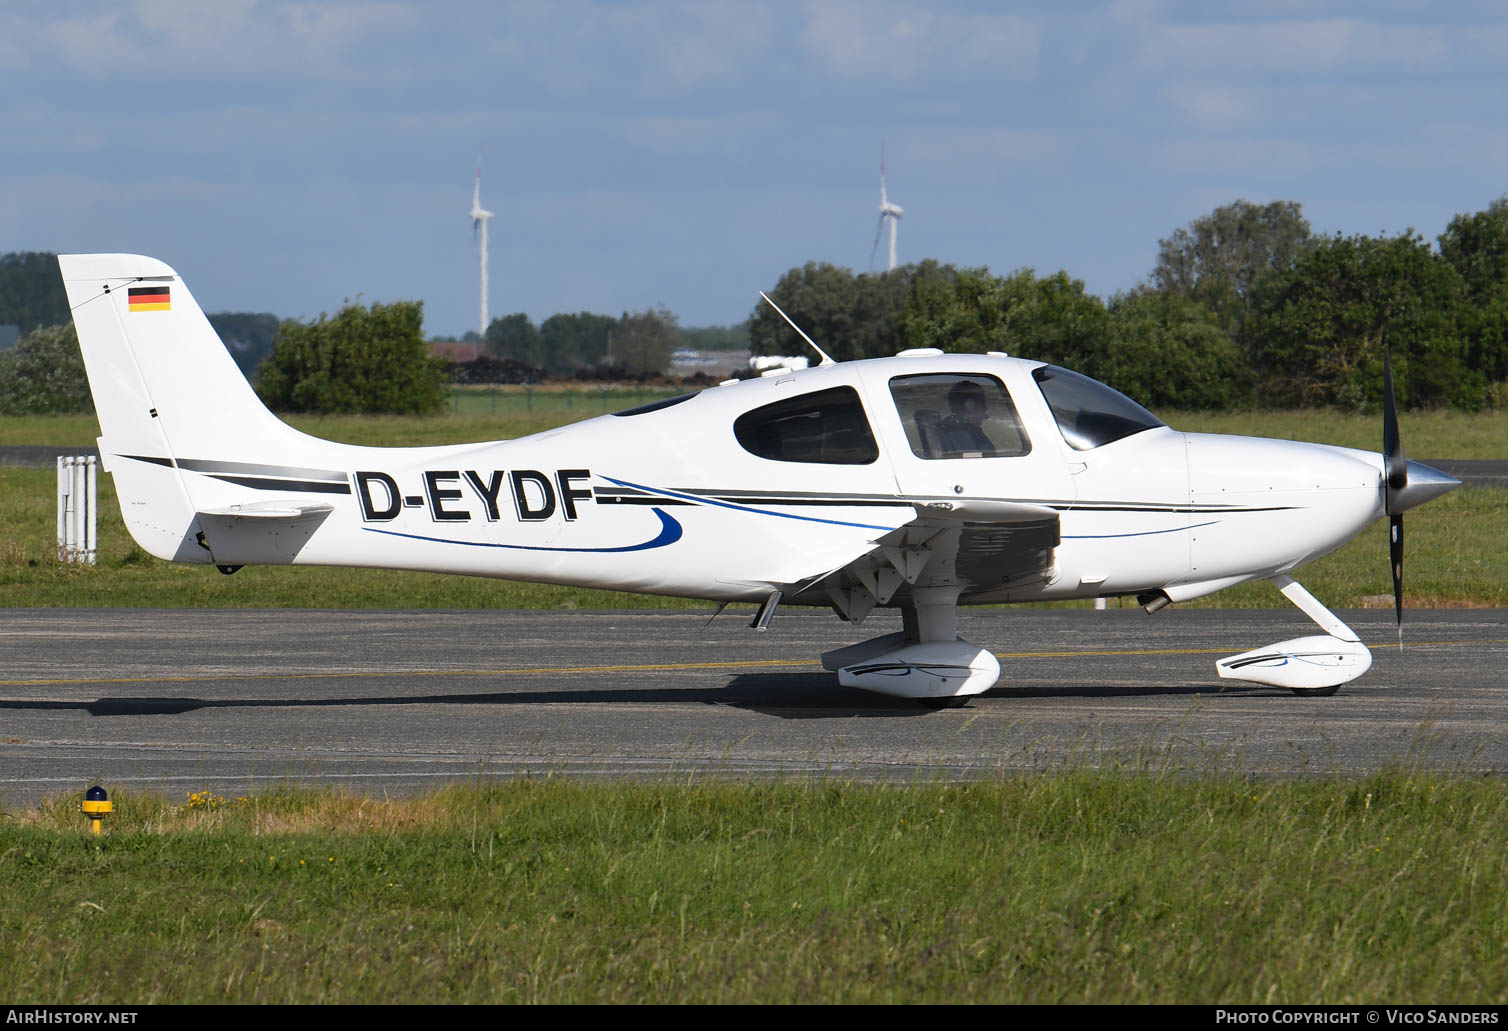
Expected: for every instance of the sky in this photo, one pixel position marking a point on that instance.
(291, 156)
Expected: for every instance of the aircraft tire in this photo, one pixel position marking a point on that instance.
(952, 702)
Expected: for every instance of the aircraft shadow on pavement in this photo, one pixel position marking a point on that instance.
(1006, 691)
(806, 695)
(787, 695)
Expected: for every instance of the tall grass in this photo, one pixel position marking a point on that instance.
(1079, 886)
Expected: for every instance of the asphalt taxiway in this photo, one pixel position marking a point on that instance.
(391, 702)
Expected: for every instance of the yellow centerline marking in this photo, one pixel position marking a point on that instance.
(649, 667)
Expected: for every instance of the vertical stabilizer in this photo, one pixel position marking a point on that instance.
(165, 388)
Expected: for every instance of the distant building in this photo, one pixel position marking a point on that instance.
(8, 336)
(688, 360)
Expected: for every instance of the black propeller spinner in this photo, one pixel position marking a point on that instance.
(1396, 474)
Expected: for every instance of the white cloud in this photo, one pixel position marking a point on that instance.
(1287, 160)
(684, 135)
(978, 154)
(581, 47)
(1312, 47)
(1214, 105)
(227, 37)
(192, 27)
(889, 40)
(329, 28)
(710, 39)
(1137, 12)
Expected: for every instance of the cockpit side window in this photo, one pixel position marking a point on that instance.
(947, 415)
(1089, 413)
(828, 426)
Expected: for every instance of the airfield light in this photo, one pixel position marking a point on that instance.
(96, 806)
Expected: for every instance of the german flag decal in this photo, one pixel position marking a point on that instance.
(149, 298)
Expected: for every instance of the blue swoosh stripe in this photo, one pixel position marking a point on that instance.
(670, 532)
(746, 508)
(1145, 533)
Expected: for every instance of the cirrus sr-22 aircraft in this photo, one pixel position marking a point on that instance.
(921, 482)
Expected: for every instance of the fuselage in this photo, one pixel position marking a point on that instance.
(777, 480)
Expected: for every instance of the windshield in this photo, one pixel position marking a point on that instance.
(1089, 413)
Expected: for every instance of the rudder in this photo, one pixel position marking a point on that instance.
(162, 381)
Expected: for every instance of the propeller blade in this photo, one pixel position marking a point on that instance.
(1395, 555)
(1395, 461)
(878, 229)
(1396, 474)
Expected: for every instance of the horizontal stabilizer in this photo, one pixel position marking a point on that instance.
(272, 510)
(264, 532)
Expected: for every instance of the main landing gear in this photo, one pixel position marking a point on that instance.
(926, 660)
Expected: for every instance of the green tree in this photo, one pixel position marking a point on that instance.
(1218, 259)
(1322, 325)
(1054, 319)
(1169, 351)
(716, 338)
(958, 310)
(1051, 318)
(367, 360)
(31, 291)
(642, 342)
(570, 342)
(514, 336)
(819, 297)
(931, 305)
(44, 373)
(849, 316)
(248, 336)
(1476, 246)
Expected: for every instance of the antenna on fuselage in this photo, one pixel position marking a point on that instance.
(826, 359)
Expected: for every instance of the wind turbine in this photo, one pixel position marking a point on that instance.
(479, 219)
(887, 210)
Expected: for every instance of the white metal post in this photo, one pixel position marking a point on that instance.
(78, 526)
(76, 531)
(65, 487)
(91, 541)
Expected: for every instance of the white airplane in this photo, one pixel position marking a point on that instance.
(919, 482)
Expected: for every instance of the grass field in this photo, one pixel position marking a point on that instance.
(501, 413)
(1457, 546)
(1109, 887)
(1171, 881)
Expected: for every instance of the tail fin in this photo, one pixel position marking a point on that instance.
(166, 391)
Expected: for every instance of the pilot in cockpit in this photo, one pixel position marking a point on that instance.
(961, 431)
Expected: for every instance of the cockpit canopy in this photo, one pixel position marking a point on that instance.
(1090, 414)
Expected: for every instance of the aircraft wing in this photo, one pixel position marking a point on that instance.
(980, 546)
